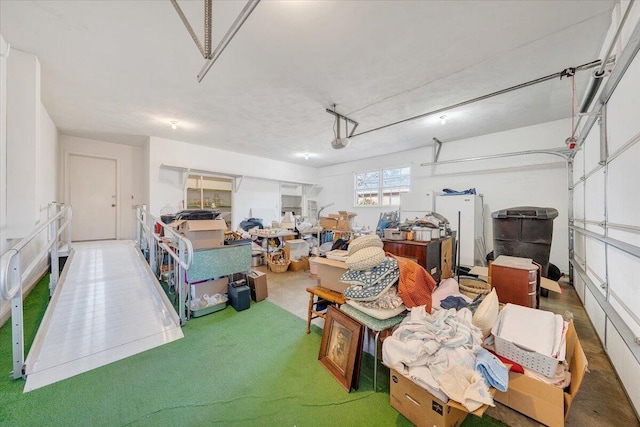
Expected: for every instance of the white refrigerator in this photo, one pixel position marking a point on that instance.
(470, 231)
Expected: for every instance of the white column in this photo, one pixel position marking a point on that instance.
(4, 53)
(23, 133)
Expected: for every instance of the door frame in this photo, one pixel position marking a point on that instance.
(67, 183)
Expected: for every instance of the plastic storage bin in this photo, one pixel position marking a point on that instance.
(525, 232)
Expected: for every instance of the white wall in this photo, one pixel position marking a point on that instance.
(533, 180)
(4, 53)
(29, 160)
(131, 167)
(258, 189)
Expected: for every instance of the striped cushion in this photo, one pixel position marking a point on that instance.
(364, 242)
(365, 259)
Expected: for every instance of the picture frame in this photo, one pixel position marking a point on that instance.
(341, 347)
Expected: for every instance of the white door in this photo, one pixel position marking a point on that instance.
(93, 197)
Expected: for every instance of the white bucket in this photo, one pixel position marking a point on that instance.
(313, 266)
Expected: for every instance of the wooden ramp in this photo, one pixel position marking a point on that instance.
(107, 306)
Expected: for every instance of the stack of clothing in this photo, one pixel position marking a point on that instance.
(442, 353)
(372, 278)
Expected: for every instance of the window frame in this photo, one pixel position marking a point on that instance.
(381, 192)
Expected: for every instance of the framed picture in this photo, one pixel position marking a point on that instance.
(341, 347)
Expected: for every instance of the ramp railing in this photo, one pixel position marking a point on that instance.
(155, 239)
(20, 262)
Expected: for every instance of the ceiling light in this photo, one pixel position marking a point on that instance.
(174, 124)
(306, 155)
(443, 120)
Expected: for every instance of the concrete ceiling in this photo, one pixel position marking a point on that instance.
(122, 70)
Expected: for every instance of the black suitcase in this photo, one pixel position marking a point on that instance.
(239, 295)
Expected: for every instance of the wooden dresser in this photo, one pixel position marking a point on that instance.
(436, 256)
(516, 280)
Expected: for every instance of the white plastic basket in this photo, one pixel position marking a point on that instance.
(545, 365)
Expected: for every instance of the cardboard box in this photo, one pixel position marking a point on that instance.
(423, 408)
(328, 223)
(204, 233)
(329, 271)
(258, 285)
(210, 287)
(541, 401)
(299, 265)
(345, 220)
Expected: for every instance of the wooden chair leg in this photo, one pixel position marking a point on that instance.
(311, 296)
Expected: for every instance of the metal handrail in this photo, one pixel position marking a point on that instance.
(13, 277)
(147, 239)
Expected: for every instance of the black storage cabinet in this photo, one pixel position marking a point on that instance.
(524, 231)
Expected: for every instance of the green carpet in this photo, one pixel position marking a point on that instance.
(251, 368)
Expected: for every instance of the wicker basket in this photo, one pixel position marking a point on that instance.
(473, 287)
(278, 261)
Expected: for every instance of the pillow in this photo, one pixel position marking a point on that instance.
(389, 300)
(370, 240)
(378, 313)
(369, 277)
(487, 313)
(365, 259)
(370, 293)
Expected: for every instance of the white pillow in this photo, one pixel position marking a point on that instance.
(364, 242)
(365, 259)
(487, 313)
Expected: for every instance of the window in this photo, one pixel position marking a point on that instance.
(382, 187)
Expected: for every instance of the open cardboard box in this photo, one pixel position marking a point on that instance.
(203, 233)
(541, 401)
(423, 408)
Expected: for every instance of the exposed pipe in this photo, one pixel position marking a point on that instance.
(560, 152)
(562, 73)
(231, 32)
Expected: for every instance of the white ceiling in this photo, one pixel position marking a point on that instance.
(122, 70)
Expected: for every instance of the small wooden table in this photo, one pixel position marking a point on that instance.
(318, 294)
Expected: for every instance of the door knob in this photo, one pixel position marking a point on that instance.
(113, 205)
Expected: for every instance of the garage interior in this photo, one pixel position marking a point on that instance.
(288, 111)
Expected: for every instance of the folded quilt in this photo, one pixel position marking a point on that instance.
(370, 293)
(372, 276)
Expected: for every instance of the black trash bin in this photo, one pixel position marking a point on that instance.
(524, 231)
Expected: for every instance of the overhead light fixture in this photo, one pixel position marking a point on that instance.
(339, 142)
(443, 120)
(306, 155)
(174, 124)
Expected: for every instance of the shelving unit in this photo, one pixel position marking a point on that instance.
(210, 192)
(291, 199)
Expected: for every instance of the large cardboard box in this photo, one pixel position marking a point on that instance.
(423, 408)
(210, 287)
(299, 265)
(203, 233)
(258, 285)
(541, 401)
(328, 222)
(344, 220)
(329, 271)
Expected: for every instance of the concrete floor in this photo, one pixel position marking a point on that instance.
(601, 400)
